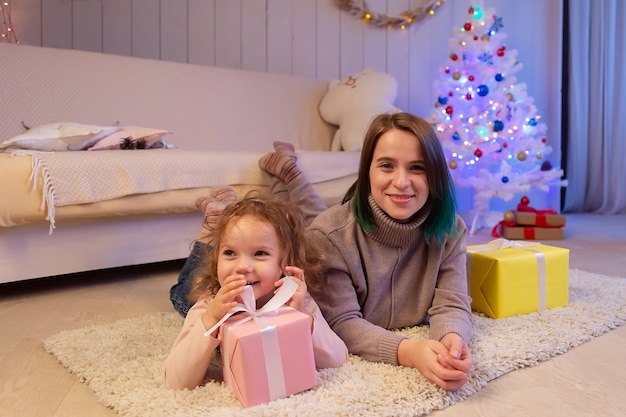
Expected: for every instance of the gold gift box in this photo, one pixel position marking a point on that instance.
(509, 278)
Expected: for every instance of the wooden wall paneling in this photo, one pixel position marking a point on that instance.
(279, 36)
(228, 33)
(328, 50)
(26, 17)
(145, 39)
(56, 23)
(398, 53)
(201, 31)
(254, 35)
(422, 67)
(304, 30)
(116, 27)
(173, 33)
(375, 41)
(87, 25)
(351, 44)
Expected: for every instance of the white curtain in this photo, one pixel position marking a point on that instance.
(596, 107)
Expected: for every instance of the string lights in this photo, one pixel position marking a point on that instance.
(360, 9)
(7, 31)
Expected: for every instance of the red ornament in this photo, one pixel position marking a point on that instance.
(475, 37)
(525, 200)
(467, 26)
(468, 96)
(447, 70)
(471, 78)
(454, 57)
(544, 140)
(470, 10)
(478, 153)
(505, 145)
(450, 94)
(449, 110)
(500, 52)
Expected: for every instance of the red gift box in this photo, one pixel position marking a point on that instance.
(530, 216)
(532, 233)
(267, 353)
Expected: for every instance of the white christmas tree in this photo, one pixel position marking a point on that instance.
(493, 138)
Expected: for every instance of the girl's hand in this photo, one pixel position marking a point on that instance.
(224, 300)
(301, 300)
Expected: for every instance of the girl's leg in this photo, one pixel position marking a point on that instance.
(179, 291)
(212, 207)
(289, 183)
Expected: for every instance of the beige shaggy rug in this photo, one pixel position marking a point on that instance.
(121, 362)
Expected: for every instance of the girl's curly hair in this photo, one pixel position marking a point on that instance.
(289, 226)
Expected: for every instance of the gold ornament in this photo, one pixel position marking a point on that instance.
(509, 216)
(509, 96)
(452, 164)
(484, 38)
(539, 156)
(456, 75)
(521, 156)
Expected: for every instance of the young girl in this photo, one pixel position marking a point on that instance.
(256, 242)
(395, 250)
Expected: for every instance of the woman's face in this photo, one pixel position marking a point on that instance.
(250, 246)
(398, 176)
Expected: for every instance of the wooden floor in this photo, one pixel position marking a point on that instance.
(587, 381)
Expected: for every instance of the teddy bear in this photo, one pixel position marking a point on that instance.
(353, 102)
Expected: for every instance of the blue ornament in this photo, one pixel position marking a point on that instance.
(499, 77)
(497, 24)
(456, 136)
(482, 90)
(532, 122)
(498, 126)
(486, 57)
(443, 100)
(505, 179)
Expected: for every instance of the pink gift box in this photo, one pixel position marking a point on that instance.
(269, 357)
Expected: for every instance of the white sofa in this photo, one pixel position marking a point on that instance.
(228, 116)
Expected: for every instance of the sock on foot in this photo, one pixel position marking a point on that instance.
(281, 163)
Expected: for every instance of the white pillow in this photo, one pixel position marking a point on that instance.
(152, 137)
(63, 136)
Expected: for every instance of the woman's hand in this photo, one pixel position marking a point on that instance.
(459, 355)
(224, 300)
(300, 300)
(424, 356)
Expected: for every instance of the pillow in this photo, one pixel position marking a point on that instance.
(152, 138)
(63, 136)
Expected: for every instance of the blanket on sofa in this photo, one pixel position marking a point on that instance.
(85, 177)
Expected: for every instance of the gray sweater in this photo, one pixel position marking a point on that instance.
(389, 279)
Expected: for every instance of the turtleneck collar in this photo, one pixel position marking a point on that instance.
(390, 232)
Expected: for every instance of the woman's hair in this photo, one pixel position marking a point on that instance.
(442, 218)
(289, 226)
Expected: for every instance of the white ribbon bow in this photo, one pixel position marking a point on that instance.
(502, 243)
(283, 295)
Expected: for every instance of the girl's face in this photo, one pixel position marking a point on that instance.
(397, 175)
(251, 247)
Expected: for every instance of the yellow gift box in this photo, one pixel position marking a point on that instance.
(507, 278)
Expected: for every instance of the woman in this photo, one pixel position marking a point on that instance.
(395, 250)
